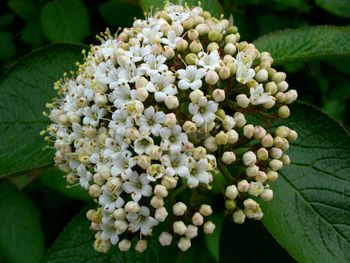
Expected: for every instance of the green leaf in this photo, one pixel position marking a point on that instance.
(6, 20)
(30, 33)
(26, 9)
(75, 245)
(308, 43)
(54, 179)
(212, 240)
(21, 238)
(66, 20)
(25, 89)
(336, 7)
(213, 6)
(125, 11)
(249, 242)
(7, 48)
(309, 214)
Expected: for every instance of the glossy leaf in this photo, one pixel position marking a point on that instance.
(25, 89)
(65, 20)
(306, 44)
(21, 237)
(336, 7)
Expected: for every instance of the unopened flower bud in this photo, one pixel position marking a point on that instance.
(279, 77)
(228, 123)
(178, 28)
(199, 152)
(210, 144)
(248, 131)
(100, 99)
(212, 46)
(165, 239)
(232, 136)
(218, 95)
(266, 195)
(230, 204)
(192, 34)
(271, 87)
(224, 72)
(239, 119)
(191, 58)
(262, 154)
(124, 245)
(189, 127)
(184, 244)
(214, 35)
(275, 165)
(252, 171)
(272, 176)
(285, 159)
(161, 214)
(196, 95)
(267, 141)
(169, 182)
(121, 225)
(259, 132)
(160, 191)
(188, 23)
(293, 135)
(243, 186)
(132, 207)
(208, 227)
(262, 75)
(179, 209)
(202, 29)
(231, 192)
(119, 214)
(181, 44)
(132, 133)
(282, 86)
(141, 245)
(169, 52)
(157, 202)
(261, 177)
(238, 217)
(170, 120)
(221, 138)
(242, 100)
(228, 157)
(179, 227)
(141, 82)
(230, 49)
(211, 77)
(155, 152)
(197, 219)
(196, 46)
(250, 203)
(95, 190)
(142, 94)
(291, 96)
(205, 210)
(191, 231)
(280, 97)
(171, 102)
(231, 38)
(144, 161)
(102, 246)
(276, 153)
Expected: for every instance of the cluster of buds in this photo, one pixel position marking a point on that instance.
(167, 106)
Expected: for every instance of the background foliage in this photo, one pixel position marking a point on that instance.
(35, 206)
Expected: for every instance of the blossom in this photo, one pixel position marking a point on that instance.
(138, 186)
(203, 112)
(141, 221)
(190, 77)
(162, 85)
(258, 96)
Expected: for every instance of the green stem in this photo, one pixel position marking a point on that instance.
(225, 172)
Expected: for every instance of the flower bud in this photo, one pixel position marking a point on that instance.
(144, 161)
(132, 133)
(230, 204)
(189, 127)
(179, 227)
(202, 29)
(141, 82)
(184, 244)
(259, 132)
(196, 95)
(102, 246)
(250, 203)
(242, 100)
(266, 195)
(196, 46)
(132, 207)
(100, 99)
(192, 34)
(233, 67)
(160, 191)
(124, 245)
(252, 171)
(230, 49)
(211, 77)
(161, 214)
(232, 136)
(243, 186)
(169, 52)
(208, 227)
(279, 77)
(170, 120)
(282, 86)
(291, 96)
(239, 119)
(262, 75)
(95, 190)
(280, 97)
(181, 44)
(224, 72)
(261, 177)
(169, 182)
(238, 217)
(272, 176)
(119, 214)
(271, 87)
(188, 23)
(275, 165)
(157, 202)
(262, 154)
(197, 219)
(165, 239)
(171, 102)
(228, 157)
(221, 138)
(177, 27)
(121, 225)
(255, 188)
(292, 136)
(179, 209)
(285, 159)
(267, 141)
(191, 58)
(212, 46)
(205, 210)
(142, 94)
(276, 153)
(210, 144)
(218, 95)
(141, 246)
(231, 192)
(231, 38)
(248, 131)
(228, 123)
(191, 231)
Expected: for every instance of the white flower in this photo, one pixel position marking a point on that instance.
(173, 138)
(258, 96)
(106, 72)
(84, 176)
(191, 77)
(137, 52)
(121, 94)
(150, 35)
(122, 164)
(175, 164)
(109, 233)
(138, 186)
(128, 73)
(204, 111)
(162, 85)
(171, 39)
(244, 74)
(141, 221)
(110, 203)
(198, 172)
(154, 64)
(121, 120)
(93, 115)
(150, 121)
(209, 61)
(108, 47)
(143, 144)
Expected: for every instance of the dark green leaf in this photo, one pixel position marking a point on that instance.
(212, 240)
(54, 179)
(66, 20)
(21, 238)
(6, 20)
(120, 12)
(306, 44)
(336, 7)
(75, 245)
(249, 242)
(309, 215)
(213, 6)
(7, 48)
(25, 89)
(32, 34)
(26, 9)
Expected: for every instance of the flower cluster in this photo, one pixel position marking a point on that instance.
(167, 107)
